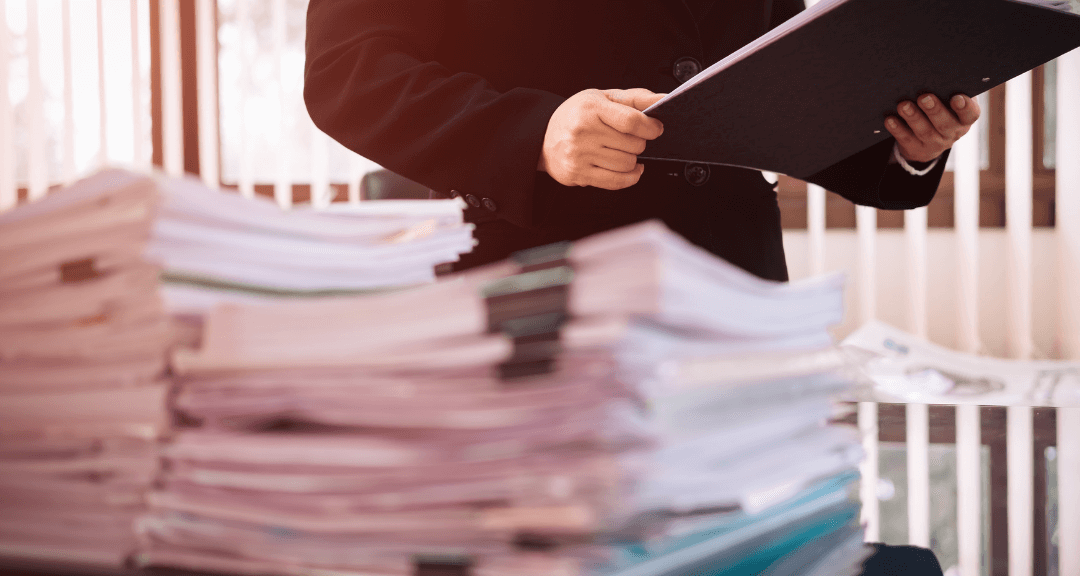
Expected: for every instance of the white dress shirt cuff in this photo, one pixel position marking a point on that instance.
(899, 158)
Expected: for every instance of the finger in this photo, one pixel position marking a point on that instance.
(614, 160)
(907, 139)
(629, 120)
(638, 98)
(920, 125)
(941, 117)
(643, 101)
(611, 138)
(967, 109)
(609, 180)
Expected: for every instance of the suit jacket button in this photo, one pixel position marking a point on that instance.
(472, 200)
(490, 204)
(455, 194)
(696, 174)
(685, 68)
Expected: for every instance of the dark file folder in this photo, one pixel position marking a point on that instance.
(817, 89)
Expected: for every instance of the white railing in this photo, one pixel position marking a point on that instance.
(952, 289)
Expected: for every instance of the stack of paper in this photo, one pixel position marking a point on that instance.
(218, 246)
(83, 339)
(624, 405)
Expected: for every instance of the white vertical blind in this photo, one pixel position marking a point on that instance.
(103, 121)
(283, 182)
(138, 154)
(866, 229)
(9, 192)
(966, 224)
(37, 154)
(356, 173)
(171, 103)
(918, 472)
(968, 488)
(206, 69)
(815, 227)
(246, 173)
(69, 95)
(918, 417)
(321, 194)
(1068, 454)
(1067, 222)
(868, 427)
(1018, 192)
(968, 429)
(1068, 234)
(1018, 211)
(1019, 448)
(915, 223)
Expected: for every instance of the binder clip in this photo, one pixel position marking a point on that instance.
(435, 565)
(78, 270)
(530, 308)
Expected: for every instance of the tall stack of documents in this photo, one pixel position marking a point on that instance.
(217, 246)
(627, 404)
(83, 338)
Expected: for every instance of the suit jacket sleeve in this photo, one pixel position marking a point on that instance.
(867, 178)
(371, 82)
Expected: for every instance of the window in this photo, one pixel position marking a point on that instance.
(62, 117)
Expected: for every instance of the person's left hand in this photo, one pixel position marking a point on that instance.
(930, 128)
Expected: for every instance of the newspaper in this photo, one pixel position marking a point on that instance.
(906, 368)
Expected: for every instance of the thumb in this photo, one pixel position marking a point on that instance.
(645, 99)
(637, 98)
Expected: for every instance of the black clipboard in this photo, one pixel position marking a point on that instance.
(817, 89)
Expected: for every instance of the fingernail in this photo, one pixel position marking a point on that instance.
(959, 101)
(909, 109)
(891, 123)
(928, 102)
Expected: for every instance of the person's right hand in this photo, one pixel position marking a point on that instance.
(593, 138)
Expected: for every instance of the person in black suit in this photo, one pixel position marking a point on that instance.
(497, 101)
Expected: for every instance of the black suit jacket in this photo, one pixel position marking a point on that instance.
(456, 95)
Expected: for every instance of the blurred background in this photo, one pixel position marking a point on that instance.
(992, 266)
